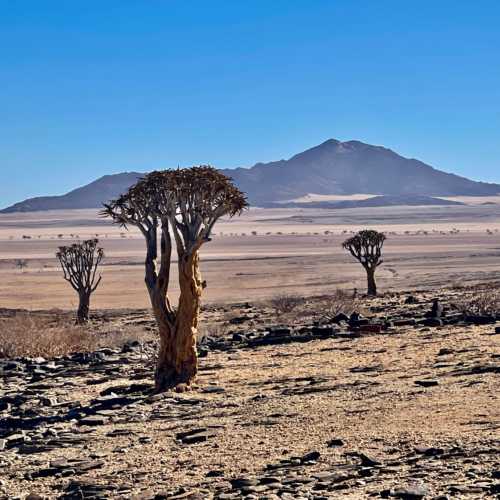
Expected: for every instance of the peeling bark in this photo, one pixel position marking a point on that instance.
(184, 203)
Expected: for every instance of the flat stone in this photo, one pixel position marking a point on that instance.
(335, 442)
(427, 382)
(93, 421)
(194, 436)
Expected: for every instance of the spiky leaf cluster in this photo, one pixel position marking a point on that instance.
(79, 262)
(191, 200)
(366, 247)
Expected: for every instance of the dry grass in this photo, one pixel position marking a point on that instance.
(482, 302)
(341, 301)
(285, 303)
(32, 335)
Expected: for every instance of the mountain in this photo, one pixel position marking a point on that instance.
(351, 167)
(333, 167)
(90, 196)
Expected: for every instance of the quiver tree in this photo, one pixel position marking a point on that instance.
(366, 247)
(79, 262)
(182, 206)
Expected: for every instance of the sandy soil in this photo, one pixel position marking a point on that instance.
(426, 247)
(264, 405)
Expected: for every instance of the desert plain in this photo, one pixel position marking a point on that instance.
(262, 253)
(287, 404)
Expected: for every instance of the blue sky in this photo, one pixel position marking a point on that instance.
(96, 87)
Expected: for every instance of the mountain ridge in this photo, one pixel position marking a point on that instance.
(330, 168)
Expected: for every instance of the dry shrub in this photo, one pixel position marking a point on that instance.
(123, 335)
(32, 335)
(481, 302)
(341, 301)
(285, 304)
(212, 329)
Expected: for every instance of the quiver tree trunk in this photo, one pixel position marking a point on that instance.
(82, 315)
(177, 357)
(185, 203)
(366, 248)
(79, 262)
(372, 286)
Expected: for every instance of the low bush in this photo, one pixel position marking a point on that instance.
(284, 303)
(341, 301)
(32, 335)
(481, 302)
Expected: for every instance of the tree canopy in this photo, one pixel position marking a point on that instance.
(366, 247)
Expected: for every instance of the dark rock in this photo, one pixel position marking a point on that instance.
(239, 320)
(194, 436)
(429, 452)
(405, 322)
(366, 460)
(495, 488)
(242, 482)
(339, 318)
(310, 457)
(427, 382)
(432, 322)
(93, 421)
(444, 351)
(215, 473)
(373, 328)
(480, 320)
(323, 331)
(335, 442)
(238, 337)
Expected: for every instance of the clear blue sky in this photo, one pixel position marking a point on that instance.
(95, 87)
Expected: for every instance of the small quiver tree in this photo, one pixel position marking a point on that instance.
(366, 247)
(183, 206)
(79, 262)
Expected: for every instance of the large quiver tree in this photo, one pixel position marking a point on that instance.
(79, 263)
(182, 206)
(366, 247)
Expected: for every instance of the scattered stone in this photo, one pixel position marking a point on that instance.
(335, 442)
(427, 382)
(93, 421)
(194, 436)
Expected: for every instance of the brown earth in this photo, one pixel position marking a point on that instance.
(351, 409)
(426, 246)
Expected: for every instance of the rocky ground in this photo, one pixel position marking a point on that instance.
(401, 401)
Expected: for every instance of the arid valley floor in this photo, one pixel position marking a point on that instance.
(294, 404)
(290, 253)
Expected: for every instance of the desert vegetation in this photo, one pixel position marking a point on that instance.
(187, 203)
(366, 248)
(33, 335)
(480, 301)
(79, 263)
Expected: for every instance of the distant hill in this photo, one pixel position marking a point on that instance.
(375, 201)
(333, 167)
(90, 196)
(351, 167)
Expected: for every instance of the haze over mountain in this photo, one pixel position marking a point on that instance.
(331, 168)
